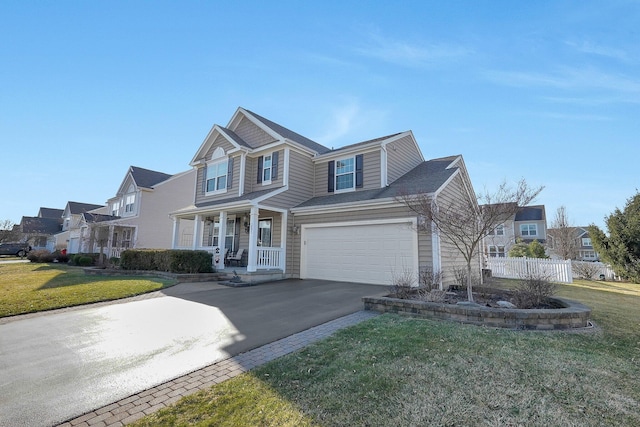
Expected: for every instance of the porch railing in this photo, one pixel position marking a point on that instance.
(269, 258)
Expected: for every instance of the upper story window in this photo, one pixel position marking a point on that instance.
(586, 242)
(216, 179)
(129, 203)
(345, 174)
(498, 231)
(115, 208)
(268, 168)
(528, 229)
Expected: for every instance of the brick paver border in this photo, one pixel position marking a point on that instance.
(148, 401)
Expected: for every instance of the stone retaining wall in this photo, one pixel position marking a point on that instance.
(571, 315)
(196, 277)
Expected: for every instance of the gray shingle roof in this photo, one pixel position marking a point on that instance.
(147, 178)
(93, 218)
(78, 208)
(382, 138)
(235, 137)
(530, 213)
(50, 213)
(37, 225)
(289, 134)
(425, 178)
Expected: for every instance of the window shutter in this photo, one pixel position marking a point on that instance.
(260, 161)
(332, 176)
(204, 180)
(359, 161)
(230, 173)
(274, 166)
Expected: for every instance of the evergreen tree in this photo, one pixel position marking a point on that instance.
(621, 248)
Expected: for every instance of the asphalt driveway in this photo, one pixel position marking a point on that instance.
(60, 365)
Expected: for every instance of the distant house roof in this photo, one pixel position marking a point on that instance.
(50, 213)
(76, 208)
(291, 135)
(147, 178)
(531, 213)
(93, 218)
(37, 225)
(425, 178)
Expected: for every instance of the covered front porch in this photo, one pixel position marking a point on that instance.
(247, 239)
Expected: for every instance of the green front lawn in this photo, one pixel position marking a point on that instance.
(29, 287)
(395, 370)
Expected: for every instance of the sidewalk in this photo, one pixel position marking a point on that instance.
(137, 406)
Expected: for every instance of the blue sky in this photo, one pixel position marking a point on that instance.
(548, 91)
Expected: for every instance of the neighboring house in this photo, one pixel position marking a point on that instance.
(305, 211)
(70, 238)
(528, 224)
(581, 247)
(40, 231)
(138, 215)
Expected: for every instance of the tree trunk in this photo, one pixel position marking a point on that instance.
(469, 285)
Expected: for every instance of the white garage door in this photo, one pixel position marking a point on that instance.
(358, 252)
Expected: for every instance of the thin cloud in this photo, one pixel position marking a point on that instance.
(346, 120)
(569, 79)
(600, 50)
(405, 53)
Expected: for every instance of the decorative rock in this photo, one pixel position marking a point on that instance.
(505, 304)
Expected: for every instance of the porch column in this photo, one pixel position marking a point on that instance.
(110, 241)
(222, 232)
(197, 232)
(253, 240)
(283, 240)
(176, 232)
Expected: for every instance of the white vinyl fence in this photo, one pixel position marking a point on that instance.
(557, 270)
(516, 268)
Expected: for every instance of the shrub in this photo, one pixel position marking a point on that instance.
(429, 279)
(175, 261)
(585, 270)
(40, 255)
(402, 285)
(434, 295)
(534, 289)
(84, 261)
(60, 257)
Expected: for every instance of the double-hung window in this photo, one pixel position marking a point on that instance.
(266, 169)
(498, 231)
(345, 174)
(216, 179)
(496, 251)
(586, 242)
(115, 208)
(528, 229)
(129, 203)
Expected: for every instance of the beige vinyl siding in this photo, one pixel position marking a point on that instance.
(402, 156)
(252, 134)
(220, 141)
(251, 183)
(370, 173)
(300, 182)
(154, 228)
(293, 258)
(200, 195)
(450, 258)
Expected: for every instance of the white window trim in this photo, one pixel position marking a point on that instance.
(535, 226)
(496, 251)
(129, 208)
(215, 163)
(265, 168)
(586, 242)
(353, 173)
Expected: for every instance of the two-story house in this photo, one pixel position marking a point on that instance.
(577, 247)
(71, 237)
(138, 215)
(40, 230)
(528, 224)
(306, 211)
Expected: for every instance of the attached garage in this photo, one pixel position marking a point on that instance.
(359, 251)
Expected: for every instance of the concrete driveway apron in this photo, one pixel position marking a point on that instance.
(60, 365)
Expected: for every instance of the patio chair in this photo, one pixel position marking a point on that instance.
(237, 258)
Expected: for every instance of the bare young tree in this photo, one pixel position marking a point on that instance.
(563, 235)
(464, 222)
(8, 232)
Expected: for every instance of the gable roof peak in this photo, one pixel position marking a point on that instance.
(147, 178)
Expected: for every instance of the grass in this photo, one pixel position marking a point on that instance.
(29, 287)
(395, 370)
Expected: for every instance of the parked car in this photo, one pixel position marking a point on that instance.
(17, 249)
